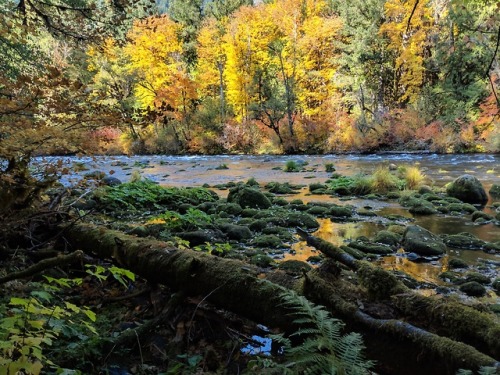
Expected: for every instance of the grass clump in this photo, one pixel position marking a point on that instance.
(329, 167)
(412, 176)
(292, 166)
(383, 181)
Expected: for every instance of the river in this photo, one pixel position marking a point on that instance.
(183, 171)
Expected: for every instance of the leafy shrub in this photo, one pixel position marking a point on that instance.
(29, 326)
(191, 220)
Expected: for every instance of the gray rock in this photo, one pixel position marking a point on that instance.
(468, 189)
(110, 181)
(422, 242)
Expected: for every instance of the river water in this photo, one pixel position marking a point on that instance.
(183, 171)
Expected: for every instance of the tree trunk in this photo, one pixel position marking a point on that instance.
(398, 346)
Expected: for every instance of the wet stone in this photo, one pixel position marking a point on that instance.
(468, 189)
(473, 289)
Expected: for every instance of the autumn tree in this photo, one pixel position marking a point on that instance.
(45, 104)
(409, 27)
(165, 90)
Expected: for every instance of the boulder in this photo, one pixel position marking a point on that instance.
(236, 232)
(110, 181)
(248, 197)
(422, 242)
(468, 189)
(473, 289)
(495, 190)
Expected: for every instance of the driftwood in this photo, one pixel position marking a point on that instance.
(398, 346)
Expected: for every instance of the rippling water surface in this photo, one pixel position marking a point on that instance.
(199, 170)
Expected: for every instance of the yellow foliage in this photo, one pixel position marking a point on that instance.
(155, 54)
(409, 25)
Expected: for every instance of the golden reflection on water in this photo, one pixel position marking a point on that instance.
(341, 233)
(425, 272)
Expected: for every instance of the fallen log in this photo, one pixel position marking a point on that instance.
(446, 318)
(235, 286)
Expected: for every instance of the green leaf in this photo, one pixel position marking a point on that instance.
(37, 324)
(40, 294)
(72, 307)
(18, 301)
(90, 314)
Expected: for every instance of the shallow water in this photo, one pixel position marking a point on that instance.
(199, 170)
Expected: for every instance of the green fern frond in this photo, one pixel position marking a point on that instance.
(323, 349)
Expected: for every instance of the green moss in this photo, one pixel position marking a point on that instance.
(294, 267)
(267, 241)
(261, 260)
(457, 263)
(370, 248)
(379, 283)
(318, 211)
(388, 238)
(473, 289)
(477, 277)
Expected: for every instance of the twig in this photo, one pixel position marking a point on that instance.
(43, 265)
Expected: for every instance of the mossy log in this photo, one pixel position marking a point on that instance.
(444, 317)
(236, 286)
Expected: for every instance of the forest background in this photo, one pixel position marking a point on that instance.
(228, 76)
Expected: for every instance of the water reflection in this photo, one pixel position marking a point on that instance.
(198, 170)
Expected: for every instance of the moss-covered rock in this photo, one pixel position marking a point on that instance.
(388, 238)
(317, 188)
(371, 248)
(477, 277)
(283, 233)
(422, 242)
(455, 263)
(281, 188)
(261, 260)
(462, 207)
(278, 201)
(294, 267)
(468, 189)
(473, 289)
(258, 225)
(423, 207)
(267, 241)
(449, 277)
(495, 190)
(463, 241)
(496, 285)
(318, 211)
(236, 232)
(481, 215)
(340, 211)
(301, 219)
(248, 197)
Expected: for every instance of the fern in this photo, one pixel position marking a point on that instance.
(323, 348)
